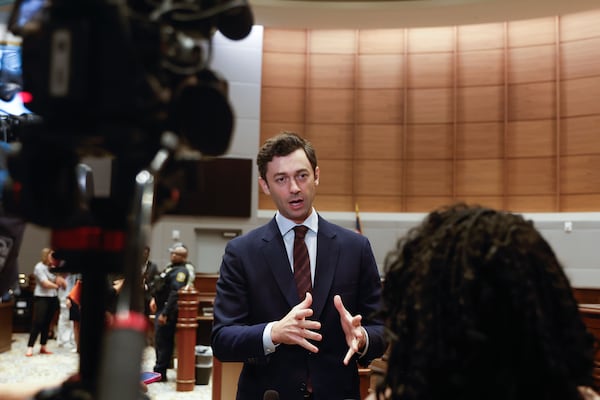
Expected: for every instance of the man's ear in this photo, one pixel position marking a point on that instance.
(317, 173)
(264, 186)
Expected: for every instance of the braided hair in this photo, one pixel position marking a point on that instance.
(477, 306)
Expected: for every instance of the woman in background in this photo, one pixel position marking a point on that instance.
(477, 306)
(45, 301)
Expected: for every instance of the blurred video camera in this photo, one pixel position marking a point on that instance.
(110, 77)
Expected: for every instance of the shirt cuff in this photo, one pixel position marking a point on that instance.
(362, 353)
(268, 345)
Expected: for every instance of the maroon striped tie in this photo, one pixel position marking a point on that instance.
(301, 262)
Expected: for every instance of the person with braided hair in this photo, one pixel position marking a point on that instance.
(477, 306)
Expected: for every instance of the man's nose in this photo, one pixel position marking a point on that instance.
(294, 187)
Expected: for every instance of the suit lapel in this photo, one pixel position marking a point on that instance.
(275, 256)
(327, 258)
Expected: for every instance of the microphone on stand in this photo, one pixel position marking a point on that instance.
(271, 395)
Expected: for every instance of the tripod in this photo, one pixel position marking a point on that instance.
(110, 359)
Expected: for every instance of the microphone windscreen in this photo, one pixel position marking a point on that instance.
(271, 395)
(236, 24)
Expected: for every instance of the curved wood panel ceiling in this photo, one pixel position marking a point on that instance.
(341, 14)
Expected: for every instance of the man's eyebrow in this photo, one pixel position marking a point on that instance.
(295, 172)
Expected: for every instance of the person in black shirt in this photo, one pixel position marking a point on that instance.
(164, 305)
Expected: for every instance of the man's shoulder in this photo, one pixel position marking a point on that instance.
(330, 229)
(266, 231)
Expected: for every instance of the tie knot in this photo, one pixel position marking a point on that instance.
(300, 231)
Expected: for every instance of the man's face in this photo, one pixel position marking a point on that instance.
(292, 185)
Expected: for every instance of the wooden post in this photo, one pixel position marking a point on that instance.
(186, 338)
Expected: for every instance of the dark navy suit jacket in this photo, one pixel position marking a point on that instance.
(256, 286)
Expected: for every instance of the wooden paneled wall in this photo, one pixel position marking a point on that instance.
(504, 114)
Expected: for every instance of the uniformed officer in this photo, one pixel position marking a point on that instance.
(164, 305)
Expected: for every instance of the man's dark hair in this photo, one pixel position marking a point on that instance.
(477, 306)
(282, 145)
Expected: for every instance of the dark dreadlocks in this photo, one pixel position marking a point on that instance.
(478, 307)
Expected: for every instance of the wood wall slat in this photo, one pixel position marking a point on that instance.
(480, 104)
(580, 174)
(531, 101)
(537, 203)
(580, 202)
(334, 202)
(282, 104)
(480, 140)
(379, 106)
(480, 68)
(331, 71)
(580, 59)
(580, 26)
(580, 97)
(380, 203)
(382, 142)
(334, 41)
(531, 64)
(429, 106)
(580, 135)
(480, 37)
(479, 177)
(284, 70)
(378, 177)
(268, 129)
(531, 176)
(380, 71)
(430, 40)
(430, 70)
(428, 177)
(531, 138)
(429, 142)
(331, 141)
(335, 177)
(284, 41)
(381, 41)
(426, 203)
(531, 32)
(335, 106)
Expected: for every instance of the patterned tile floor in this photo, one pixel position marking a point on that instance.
(42, 371)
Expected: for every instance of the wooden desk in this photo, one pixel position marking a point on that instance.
(6, 325)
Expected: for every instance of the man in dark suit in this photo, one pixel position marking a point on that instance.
(303, 346)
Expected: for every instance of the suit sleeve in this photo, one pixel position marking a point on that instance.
(369, 304)
(234, 337)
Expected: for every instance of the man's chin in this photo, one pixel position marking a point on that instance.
(297, 215)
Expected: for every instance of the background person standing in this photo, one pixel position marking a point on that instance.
(45, 301)
(164, 305)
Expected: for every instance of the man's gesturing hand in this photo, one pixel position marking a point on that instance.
(294, 328)
(355, 334)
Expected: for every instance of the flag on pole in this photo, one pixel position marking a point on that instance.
(357, 226)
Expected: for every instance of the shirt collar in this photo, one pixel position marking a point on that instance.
(285, 225)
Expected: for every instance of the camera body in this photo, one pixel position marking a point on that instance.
(109, 78)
